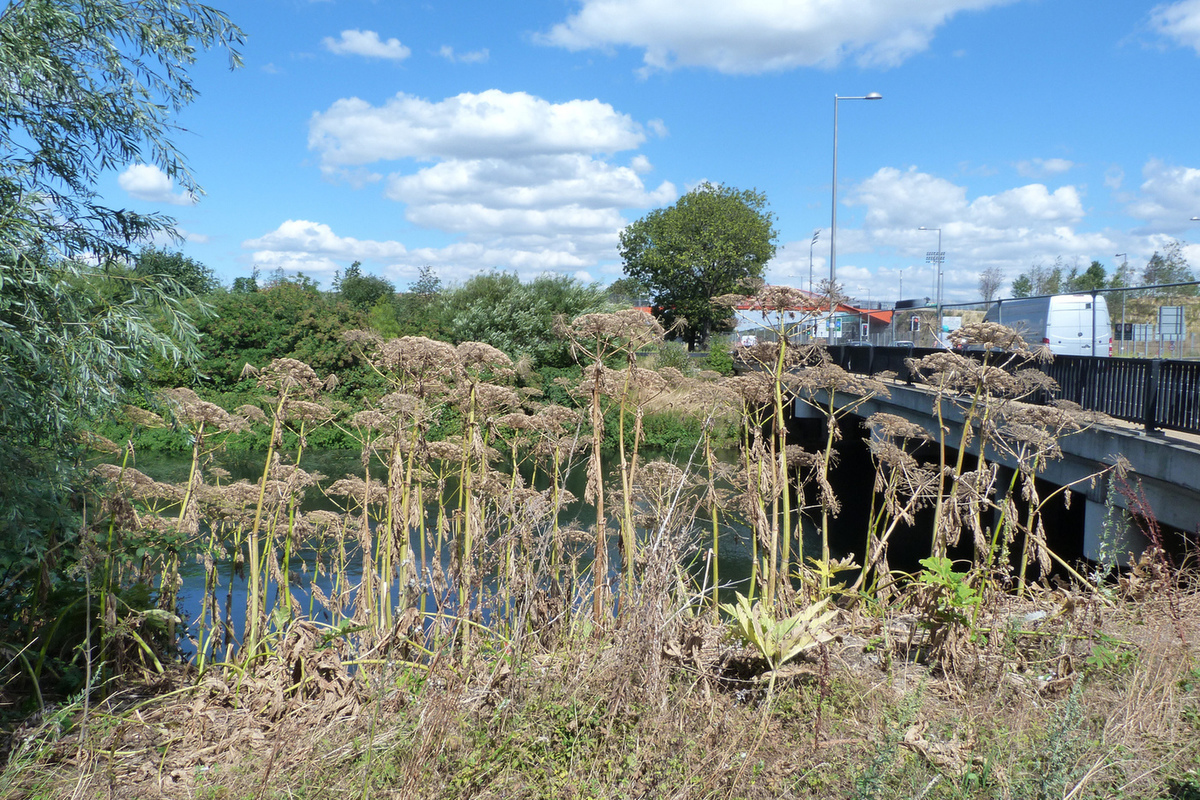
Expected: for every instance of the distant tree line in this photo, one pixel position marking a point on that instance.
(1169, 266)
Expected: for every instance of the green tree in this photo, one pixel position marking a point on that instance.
(427, 285)
(1094, 277)
(628, 292)
(518, 318)
(1170, 266)
(89, 86)
(197, 279)
(715, 240)
(362, 291)
(288, 318)
(1040, 280)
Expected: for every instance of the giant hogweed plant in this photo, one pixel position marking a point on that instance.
(595, 340)
(509, 557)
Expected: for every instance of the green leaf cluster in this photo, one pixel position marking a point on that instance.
(90, 86)
(715, 240)
(779, 640)
(497, 308)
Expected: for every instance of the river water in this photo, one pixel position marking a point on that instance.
(734, 551)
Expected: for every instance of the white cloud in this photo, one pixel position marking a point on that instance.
(1179, 22)
(1041, 167)
(471, 57)
(538, 182)
(1011, 229)
(522, 182)
(148, 182)
(753, 36)
(367, 44)
(1169, 197)
(911, 199)
(485, 125)
(313, 247)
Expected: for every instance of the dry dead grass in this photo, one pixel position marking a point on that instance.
(1067, 698)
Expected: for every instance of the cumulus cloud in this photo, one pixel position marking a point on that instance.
(911, 199)
(471, 57)
(148, 182)
(754, 36)
(566, 192)
(1179, 22)
(313, 247)
(367, 44)
(522, 181)
(1010, 229)
(489, 124)
(1167, 199)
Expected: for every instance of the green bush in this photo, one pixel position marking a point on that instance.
(673, 354)
(719, 359)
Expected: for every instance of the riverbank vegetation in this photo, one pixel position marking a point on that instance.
(441, 628)
(450, 632)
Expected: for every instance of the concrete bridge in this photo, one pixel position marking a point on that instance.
(1167, 465)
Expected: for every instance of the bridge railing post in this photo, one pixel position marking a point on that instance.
(1150, 396)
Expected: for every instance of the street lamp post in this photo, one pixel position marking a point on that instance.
(816, 234)
(937, 258)
(833, 215)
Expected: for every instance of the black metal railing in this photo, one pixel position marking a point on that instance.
(1156, 393)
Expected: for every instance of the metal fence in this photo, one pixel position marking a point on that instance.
(1155, 393)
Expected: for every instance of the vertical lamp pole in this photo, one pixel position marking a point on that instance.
(816, 235)
(833, 216)
(1124, 273)
(937, 258)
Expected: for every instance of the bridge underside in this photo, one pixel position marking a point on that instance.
(1168, 472)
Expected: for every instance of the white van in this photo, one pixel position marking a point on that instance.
(1066, 323)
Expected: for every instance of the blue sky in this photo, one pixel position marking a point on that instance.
(523, 136)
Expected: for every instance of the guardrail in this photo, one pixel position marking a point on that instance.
(1157, 393)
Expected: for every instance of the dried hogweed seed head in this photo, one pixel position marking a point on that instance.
(143, 418)
(478, 358)
(251, 413)
(895, 427)
(94, 441)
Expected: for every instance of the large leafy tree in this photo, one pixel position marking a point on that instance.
(159, 262)
(516, 317)
(289, 317)
(1092, 278)
(715, 240)
(362, 291)
(88, 86)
